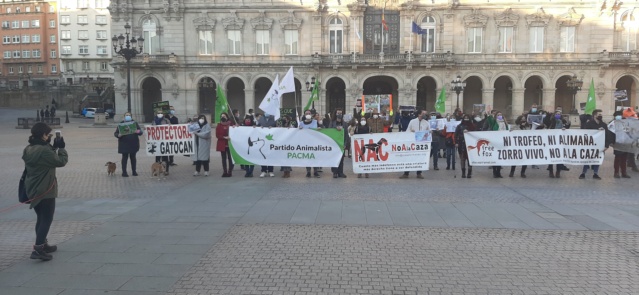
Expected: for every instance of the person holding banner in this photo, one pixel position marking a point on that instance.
(174, 120)
(202, 146)
(248, 121)
(631, 114)
(286, 122)
(161, 120)
(449, 144)
(267, 121)
(596, 122)
(377, 123)
(309, 123)
(465, 126)
(339, 124)
(418, 124)
(222, 135)
(362, 128)
(498, 124)
(557, 122)
(128, 144)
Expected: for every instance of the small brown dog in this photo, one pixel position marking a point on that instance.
(110, 168)
(158, 169)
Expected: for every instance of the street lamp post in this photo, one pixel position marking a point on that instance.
(574, 85)
(310, 87)
(458, 86)
(128, 51)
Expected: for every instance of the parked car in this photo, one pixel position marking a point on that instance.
(84, 112)
(90, 112)
(111, 113)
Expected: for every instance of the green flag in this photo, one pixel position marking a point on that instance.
(440, 104)
(221, 105)
(591, 103)
(314, 95)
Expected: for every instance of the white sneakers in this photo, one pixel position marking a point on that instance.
(271, 174)
(206, 173)
(196, 173)
(262, 174)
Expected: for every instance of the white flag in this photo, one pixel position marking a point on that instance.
(288, 82)
(271, 102)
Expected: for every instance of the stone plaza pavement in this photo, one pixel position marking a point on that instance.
(382, 235)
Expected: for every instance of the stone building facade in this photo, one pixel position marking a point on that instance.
(510, 53)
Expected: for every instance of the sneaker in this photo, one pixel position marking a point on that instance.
(196, 173)
(596, 177)
(39, 253)
(271, 174)
(582, 176)
(206, 173)
(262, 174)
(404, 176)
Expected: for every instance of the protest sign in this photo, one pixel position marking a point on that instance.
(161, 106)
(383, 103)
(286, 146)
(479, 109)
(390, 152)
(126, 128)
(437, 124)
(168, 140)
(547, 146)
(451, 125)
(626, 135)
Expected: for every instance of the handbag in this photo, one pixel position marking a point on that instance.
(22, 189)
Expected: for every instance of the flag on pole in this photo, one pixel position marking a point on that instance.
(271, 102)
(287, 84)
(418, 30)
(384, 24)
(591, 103)
(440, 104)
(314, 95)
(221, 104)
(357, 33)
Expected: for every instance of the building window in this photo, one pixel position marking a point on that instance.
(567, 39)
(104, 66)
(101, 19)
(36, 53)
(10, 70)
(474, 39)
(38, 9)
(83, 19)
(15, 24)
(6, 24)
(52, 39)
(83, 4)
(27, 9)
(16, 39)
(16, 54)
(66, 49)
(25, 24)
(536, 39)
(29, 69)
(206, 42)
(9, 10)
(336, 35)
(26, 39)
(20, 69)
(7, 54)
(101, 35)
(53, 53)
(85, 65)
(291, 41)
(54, 68)
(235, 42)
(102, 50)
(83, 49)
(506, 39)
(65, 35)
(65, 19)
(39, 68)
(83, 35)
(18, 9)
(100, 4)
(428, 36)
(151, 38)
(26, 53)
(35, 23)
(262, 42)
(629, 33)
(51, 24)
(35, 38)
(51, 9)
(6, 39)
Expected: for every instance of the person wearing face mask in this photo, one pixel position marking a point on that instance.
(466, 125)
(202, 146)
(41, 160)
(222, 135)
(174, 120)
(556, 121)
(596, 123)
(630, 114)
(308, 122)
(449, 143)
(160, 119)
(362, 128)
(339, 124)
(128, 145)
(621, 157)
(403, 120)
(377, 122)
(248, 121)
(267, 121)
(498, 124)
(339, 121)
(286, 122)
(418, 124)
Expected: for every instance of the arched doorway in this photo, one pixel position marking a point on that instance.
(533, 92)
(206, 97)
(235, 95)
(382, 85)
(335, 94)
(628, 84)
(563, 95)
(151, 92)
(262, 86)
(288, 100)
(473, 94)
(427, 93)
(503, 96)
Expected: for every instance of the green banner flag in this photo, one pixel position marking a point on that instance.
(591, 103)
(221, 105)
(314, 96)
(440, 104)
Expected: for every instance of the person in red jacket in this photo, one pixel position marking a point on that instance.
(222, 135)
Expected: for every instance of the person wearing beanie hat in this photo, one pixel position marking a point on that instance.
(41, 160)
(621, 157)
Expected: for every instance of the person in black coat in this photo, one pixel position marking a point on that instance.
(128, 145)
(596, 123)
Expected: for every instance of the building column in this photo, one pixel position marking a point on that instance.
(406, 97)
(517, 102)
(488, 97)
(548, 101)
(249, 100)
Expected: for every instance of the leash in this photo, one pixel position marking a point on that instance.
(29, 201)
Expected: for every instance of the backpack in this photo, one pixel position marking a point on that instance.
(22, 189)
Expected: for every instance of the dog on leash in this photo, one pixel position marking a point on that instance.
(158, 169)
(110, 168)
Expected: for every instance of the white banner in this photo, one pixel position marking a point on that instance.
(539, 147)
(390, 152)
(626, 135)
(286, 146)
(168, 140)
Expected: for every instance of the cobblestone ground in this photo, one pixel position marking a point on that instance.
(299, 259)
(16, 236)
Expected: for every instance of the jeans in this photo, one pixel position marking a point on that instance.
(434, 152)
(450, 156)
(267, 169)
(44, 210)
(249, 169)
(595, 168)
(226, 154)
